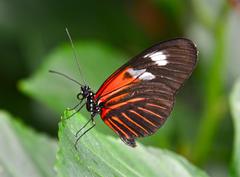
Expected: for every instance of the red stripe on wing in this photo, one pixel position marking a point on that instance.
(105, 110)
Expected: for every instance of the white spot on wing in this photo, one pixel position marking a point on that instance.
(158, 57)
(147, 76)
(141, 74)
(135, 73)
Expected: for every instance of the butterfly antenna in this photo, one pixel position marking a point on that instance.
(66, 76)
(75, 55)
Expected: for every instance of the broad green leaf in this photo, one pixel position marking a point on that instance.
(235, 109)
(23, 152)
(102, 155)
(97, 62)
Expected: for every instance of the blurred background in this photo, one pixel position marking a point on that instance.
(32, 31)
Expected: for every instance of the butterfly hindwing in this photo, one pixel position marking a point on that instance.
(139, 96)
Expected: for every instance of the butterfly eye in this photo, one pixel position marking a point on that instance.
(79, 96)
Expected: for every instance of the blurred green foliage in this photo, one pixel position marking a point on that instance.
(23, 152)
(31, 32)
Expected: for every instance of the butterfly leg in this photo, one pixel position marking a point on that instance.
(76, 142)
(83, 127)
(70, 109)
(75, 112)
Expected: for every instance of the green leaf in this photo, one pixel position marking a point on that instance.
(97, 62)
(23, 152)
(235, 109)
(102, 155)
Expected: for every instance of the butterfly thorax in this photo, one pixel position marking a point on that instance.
(91, 105)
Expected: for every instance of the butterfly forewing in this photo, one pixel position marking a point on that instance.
(139, 96)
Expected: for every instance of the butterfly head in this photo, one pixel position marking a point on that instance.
(84, 93)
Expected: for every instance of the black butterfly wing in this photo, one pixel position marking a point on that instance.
(137, 99)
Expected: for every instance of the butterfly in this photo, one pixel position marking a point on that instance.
(137, 98)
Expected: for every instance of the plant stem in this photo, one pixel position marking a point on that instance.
(215, 107)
